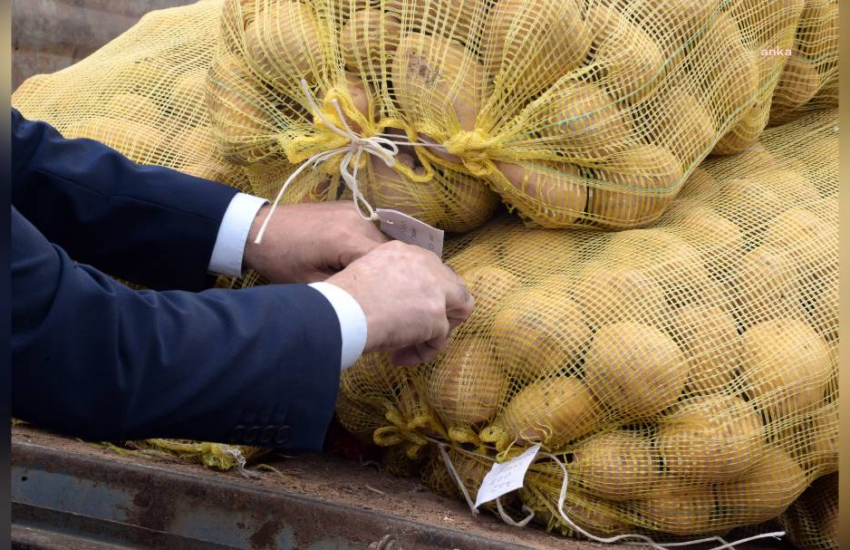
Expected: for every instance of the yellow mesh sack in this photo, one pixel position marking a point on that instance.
(684, 375)
(812, 521)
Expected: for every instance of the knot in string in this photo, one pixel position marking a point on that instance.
(381, 147)
(474, 148)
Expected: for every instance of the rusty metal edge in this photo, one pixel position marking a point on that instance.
(155, 489)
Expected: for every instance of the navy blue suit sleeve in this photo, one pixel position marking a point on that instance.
(94, 358)
(147, 224)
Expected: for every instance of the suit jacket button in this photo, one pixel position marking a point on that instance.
(268, 434)
(282, 435)
(251, 434)
(236, 434)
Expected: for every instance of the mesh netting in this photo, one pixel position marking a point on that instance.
(685, 375)
(588, 112)
(812, 521)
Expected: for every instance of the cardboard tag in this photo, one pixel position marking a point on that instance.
(411, 231)
(505, 477)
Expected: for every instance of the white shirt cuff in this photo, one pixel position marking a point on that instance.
(352, 321)
(229, 249)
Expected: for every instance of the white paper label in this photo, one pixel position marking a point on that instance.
(411, 231)
(505, 477)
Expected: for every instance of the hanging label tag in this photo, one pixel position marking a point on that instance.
(410, 230)
(505, 477)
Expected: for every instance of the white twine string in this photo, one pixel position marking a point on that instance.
(379, 146)
(562, 497)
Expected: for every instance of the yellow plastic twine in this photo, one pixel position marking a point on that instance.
(640, 539)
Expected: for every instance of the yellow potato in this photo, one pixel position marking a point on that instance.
(467, 201)
(745, 132)
(674, 23)
(609, 295)
(749, 203)
(620, 465)
(489, 286)
(532, 254)
(530, 44)
(581, 121)
(284, 42)
(799, 234)
(539, 333)
(635, 369)
(681, 123)
(476, 255)
(369, 38)
(708, 335)
(456, 18)
(766, 286)
(821, 453)
(133, 107)
(552, 411)
(241, 114)
(818, 29)
(357, 91)
(785, 365)
(553, 195)
(617, 203)
(825, 311)
(686, 513)
(710, 439)
(139, 142)
(392, 189)
(190, 91)
(764, 492)
(664, 257)
(700, 183)
(194, 143)
(439, 82)
(797, 85)
(720, 241)
(466, 386)
(631, 62)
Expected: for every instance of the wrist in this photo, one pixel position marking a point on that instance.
(250, 259)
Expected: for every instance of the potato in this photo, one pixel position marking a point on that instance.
(749, 203)
(489, 286)
(768, 21)
(817, 30)
(674, 24)
(137, 141)
(456, 18)
(357, 91)
(720, 242)
(681, 123)
(765, 492)
(786, 366)
(635, 369)
(797, 85)
(710, 439)
(392, 189)
(368, 40)
(620, 465)
(552, 411)
(133, 107)
(686, 513)
(284, 43)
(532, 254)
(800, 234)
(581, 121)
(745, 132)
(613, 294)
(616, 202)
(467, 201)
(664, 257)
(553, 195)
(539, 333)
(438, 82)
(708, 336)
(825, 311)
(699, 184)
(766, 286)
(241, 114)
(630, 61)
(477, 255)
(189, 92)
(196, 143)
(466, 385)
(530, 44)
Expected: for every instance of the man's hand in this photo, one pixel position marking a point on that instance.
(411, 300)
(307, 243)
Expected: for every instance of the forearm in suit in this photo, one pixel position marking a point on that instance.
(151, 225)
(94, 358)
